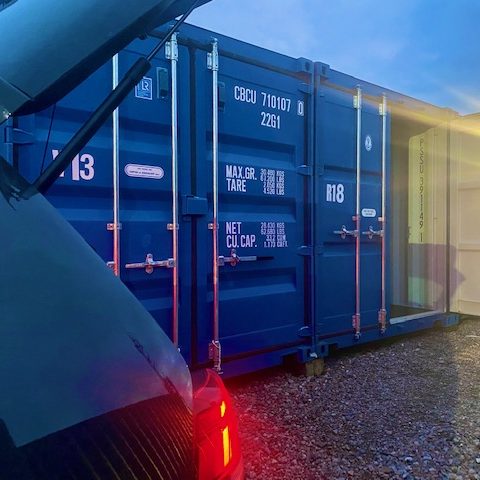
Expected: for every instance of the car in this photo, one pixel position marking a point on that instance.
(91, 387)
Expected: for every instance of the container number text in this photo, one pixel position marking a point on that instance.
(335, 192)
(82, 166)
(277, 103)
(270, 120)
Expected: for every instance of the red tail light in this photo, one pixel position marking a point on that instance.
(216, 430)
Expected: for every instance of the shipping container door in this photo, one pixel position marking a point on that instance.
(263, 182)
(85, 193)
(427, 200)
(464, 214)
(344, 285)
(146, 191)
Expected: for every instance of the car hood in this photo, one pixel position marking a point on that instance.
(75, 342)
(49, 47)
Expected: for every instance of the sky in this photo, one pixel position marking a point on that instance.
(428, 49)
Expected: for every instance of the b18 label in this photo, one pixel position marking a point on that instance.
(335, 192)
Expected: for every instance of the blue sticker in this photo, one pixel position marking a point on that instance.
(144, 89)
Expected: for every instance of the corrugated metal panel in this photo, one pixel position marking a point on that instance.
(464, 226)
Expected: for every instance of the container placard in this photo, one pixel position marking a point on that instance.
(369, 213)
(144, 171)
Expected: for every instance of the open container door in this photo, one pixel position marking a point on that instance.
(422, 254)
(464, 214)
(427, 223)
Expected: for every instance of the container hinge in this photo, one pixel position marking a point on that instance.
(17, 136)
(305, 170)
(305, 251)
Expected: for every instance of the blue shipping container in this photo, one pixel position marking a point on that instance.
(288, 275)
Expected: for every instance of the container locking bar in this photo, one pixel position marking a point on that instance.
(234, 259)
(382, 313)
(171, 53)
(344, 233)
(357, 103)
(150, 264)
(215, 350)
(116, 226)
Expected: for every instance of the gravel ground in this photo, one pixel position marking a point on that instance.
(406, 410)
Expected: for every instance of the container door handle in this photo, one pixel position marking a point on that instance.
(150, 264)
(373, 233)
(234, 259)
(344, 233)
